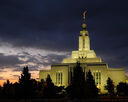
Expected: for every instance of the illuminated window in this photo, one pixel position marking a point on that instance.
(83, 42)
(97, 77)
(71, 75)
(56, 78)
(59, 78)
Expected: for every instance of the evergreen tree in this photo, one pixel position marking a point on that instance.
(49, 89)
(79, 75)
(77, 87)
(25, 76)
(122, 89)
(110, 86)
(25, 82)
(90, 85)
(81, 88)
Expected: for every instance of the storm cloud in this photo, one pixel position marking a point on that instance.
(7, 61)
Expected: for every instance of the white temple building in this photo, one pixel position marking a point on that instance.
(61, 73)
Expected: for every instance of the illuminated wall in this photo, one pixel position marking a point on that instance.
(61, 74)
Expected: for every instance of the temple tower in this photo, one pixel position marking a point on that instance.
(84, 50)
(84, 41)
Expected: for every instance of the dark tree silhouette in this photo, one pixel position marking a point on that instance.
(40, 88)
(8, 89)
(77, 87)
(90, 85)
(1, 94)
(34, 90)
(122, 89)
(49, 89)
(25, 76)
(81, 88)
(17, 88)
(110, 86)
(30, 88)
(79, 75)
(26, 83)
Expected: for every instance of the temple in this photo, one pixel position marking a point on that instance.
(61, 73)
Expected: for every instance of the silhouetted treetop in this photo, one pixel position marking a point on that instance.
(89, 78)
(110, 86)
(79, 75)
(49, 89)
(25, 76)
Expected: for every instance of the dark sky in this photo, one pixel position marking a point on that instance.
(41, 32)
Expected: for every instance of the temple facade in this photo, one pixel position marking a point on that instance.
(62, 73)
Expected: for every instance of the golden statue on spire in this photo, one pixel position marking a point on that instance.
(84, 13)
(84, 25)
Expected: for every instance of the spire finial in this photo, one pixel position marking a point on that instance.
(84, 13)
(84, 25)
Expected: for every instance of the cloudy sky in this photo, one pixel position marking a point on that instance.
(38, 33)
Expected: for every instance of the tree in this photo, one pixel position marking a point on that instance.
(1, 92)
(8, 90)
(41, 88)
(110, 86)
(17, 89)
(25, 76)
(81, 88)
(49, 89)
(122, 89)
(77, 87)
(25, 83)
(34, 91)
(90, 85)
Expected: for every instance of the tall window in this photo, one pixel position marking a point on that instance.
(83, 42)
(97, 77)
(70, 76)
(59, 78)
